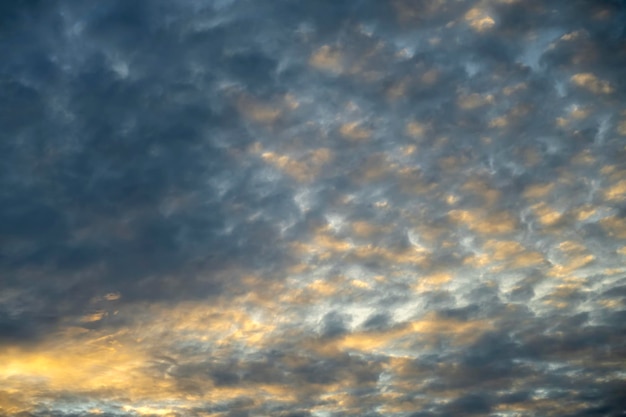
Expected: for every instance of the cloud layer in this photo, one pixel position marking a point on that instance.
(312, 208)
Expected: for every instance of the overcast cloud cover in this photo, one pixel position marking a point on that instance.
(312, 208)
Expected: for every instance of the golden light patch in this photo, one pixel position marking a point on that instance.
(258, 111)
(412, 256)
(584, 158)
(592, 83)
(338, 398)
(90, 364)
(451, 199)
(451, 163)
(400, 366)
(484, 223)
(499, 122)
(304, 169)
(474, 101)
(614, 226)
(526, 259)
(512, 254)
(119, 365)
(578, 113)
(355, 131)
(546, 215)
(398, 89)
(275, 392)
(227, 323)
(415, 130)
(430, 77)
(360, 284)
(366, 229)
(570, 247)
(396, 403)
(323, 287)
(577, 34)
(428, 328)
(613, 271)
(322, 244)
(538, 190)
(556, 304)
(622, 250)
(621, 128)
(461, 332)
(480, 188)
(585, 212)
(574, 113)
(429, 233)
(614, 174)
(93, 317)
(321, 156)
(12, 403)
(520, 110)
(434, 41)
(149, 411)
(432, 282)
(503, 121)
(367, 342)
(479, 20)
(565, 270)
(616, 192)
(327, 59)
(555, 408)
(503, 249)
(112, 296)
(602, 14)
(611, 304)
(409, 150)
(291, 101)
(566, 290)
(512, 89)
(264, 298)
(329, 242)
(607, 169)
(294, 168)
(477, 261)
(441, 142)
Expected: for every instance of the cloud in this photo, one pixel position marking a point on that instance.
(236, 208)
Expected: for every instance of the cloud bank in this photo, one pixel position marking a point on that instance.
(312, 208)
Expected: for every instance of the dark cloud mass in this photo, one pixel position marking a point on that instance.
(312, 208)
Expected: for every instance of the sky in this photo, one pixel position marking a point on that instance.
(312, 208)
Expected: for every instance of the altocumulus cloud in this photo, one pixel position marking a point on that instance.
(312, 208)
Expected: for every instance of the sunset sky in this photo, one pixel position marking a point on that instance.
(312, 208)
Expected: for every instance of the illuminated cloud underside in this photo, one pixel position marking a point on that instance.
(313, 208)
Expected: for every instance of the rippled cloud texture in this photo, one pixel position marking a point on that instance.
(312, 208)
